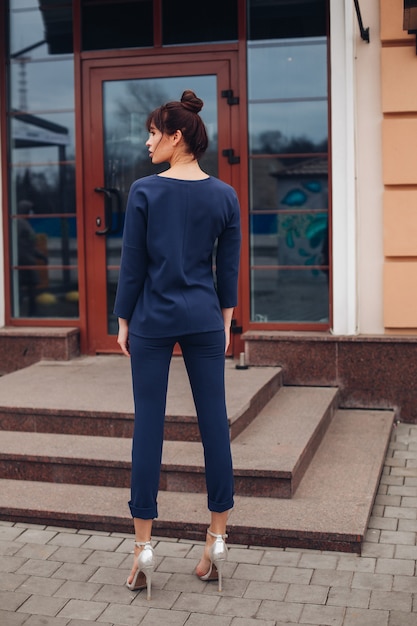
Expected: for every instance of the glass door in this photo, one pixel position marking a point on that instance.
(118, 103)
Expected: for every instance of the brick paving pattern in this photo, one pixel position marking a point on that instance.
(64, 577)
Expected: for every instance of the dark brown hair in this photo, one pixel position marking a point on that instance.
(183, 116)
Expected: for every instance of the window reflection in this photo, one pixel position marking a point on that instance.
(288, 130)
(41, 124)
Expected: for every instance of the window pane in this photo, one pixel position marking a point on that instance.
(303, 296)
(288, 140)
(183, 21)
(286, 18)
(44, 268)
(43, 248)
(124, 24)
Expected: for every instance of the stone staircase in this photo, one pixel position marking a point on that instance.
(306, 471)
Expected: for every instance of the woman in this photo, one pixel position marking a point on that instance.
(166, 294)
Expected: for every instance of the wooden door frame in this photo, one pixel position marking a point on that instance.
(224, 64)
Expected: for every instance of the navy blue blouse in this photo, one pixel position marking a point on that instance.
(166, 284)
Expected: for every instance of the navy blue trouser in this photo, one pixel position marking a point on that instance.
(204, 359)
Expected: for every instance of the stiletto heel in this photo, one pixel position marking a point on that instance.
(217, 555)
(145, 564)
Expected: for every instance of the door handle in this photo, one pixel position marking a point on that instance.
(110, 193)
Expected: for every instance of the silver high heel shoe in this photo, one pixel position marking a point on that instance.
(146, 564)
(217, 556)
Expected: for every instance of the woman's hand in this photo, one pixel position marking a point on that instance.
(123, 336)
(227, 338)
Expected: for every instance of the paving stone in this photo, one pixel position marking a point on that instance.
(372, 535)
(36, 551)
(307, 594)
(161, 599)
(284, 612)
(179, 582)
(68, 539)
(77, 590)
(83, 609)
(358, 598)
(42, 605)
(198, 619)
(235, 587)
(390, 522)
(391, 600)
(36, 567)
(104, 559)
(243, 621)
(11, 563)
(406, 552)
(102, 543)
(322, 615)
(75, 571)
(266, 591)
(35, 535)
(240, 555)
(318, 561)
(9, 618)
(398, 538)
(407, 584)
(11, 601)
(11, 581)
(202, 603)
(356, 564)
(253, 572)
(237, 607)
(361, 617)
(395, 566)
(9, 548)
(156, 617)
(399, 618)
(286, 558)
(400, 512)
(42, 620)
(402, 490)
(10, 533)
(407, 524)
(378, 550)
(106, 575)
(123, 615)
(330, 578)
(40, 586)
(301, 576)
(372, 581)
(169, 548)
(70, 555)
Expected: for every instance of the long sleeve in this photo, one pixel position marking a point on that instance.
(227, 260)
(134, 261)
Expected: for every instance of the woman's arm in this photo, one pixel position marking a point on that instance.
(227, 318)
(123, 336)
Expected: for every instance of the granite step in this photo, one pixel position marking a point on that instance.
(270, 456)
(330, 510)
(92, 396)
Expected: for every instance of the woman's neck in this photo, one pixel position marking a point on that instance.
(185, 169)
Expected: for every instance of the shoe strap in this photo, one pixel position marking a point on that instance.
(142, 544)
(216, 536)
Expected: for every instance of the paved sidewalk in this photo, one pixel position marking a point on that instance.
(53, 576)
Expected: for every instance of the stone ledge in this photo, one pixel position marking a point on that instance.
(22, 346)
(371, 371)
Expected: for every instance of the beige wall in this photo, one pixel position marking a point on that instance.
(399, 155)
(369, 186)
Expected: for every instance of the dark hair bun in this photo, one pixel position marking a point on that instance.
(190, 101)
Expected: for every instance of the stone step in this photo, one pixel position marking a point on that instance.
(92, 396)
(269, 457)
(330, 510)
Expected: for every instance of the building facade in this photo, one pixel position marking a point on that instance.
(313, 125)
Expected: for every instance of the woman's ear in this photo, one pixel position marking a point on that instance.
(177, 137)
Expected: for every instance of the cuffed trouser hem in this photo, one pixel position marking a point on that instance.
(216, 507)
(143, 513)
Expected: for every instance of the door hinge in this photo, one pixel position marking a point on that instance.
(230, 154)
(231, 99)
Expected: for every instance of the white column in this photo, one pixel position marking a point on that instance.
(343, 167)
